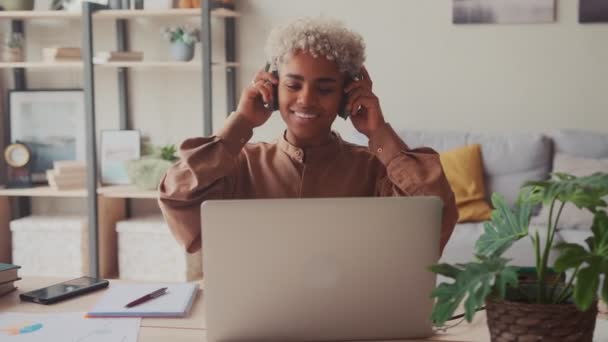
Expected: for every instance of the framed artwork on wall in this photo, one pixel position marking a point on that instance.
(51, 123)
(503, 11)
(117, 148)
(593, 11)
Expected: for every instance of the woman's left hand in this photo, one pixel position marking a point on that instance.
(363, 105)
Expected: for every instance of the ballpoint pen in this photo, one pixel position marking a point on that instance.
(147, 297)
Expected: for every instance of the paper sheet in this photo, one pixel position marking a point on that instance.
(66, 327)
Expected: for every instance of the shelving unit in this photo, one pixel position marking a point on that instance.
(109, 205)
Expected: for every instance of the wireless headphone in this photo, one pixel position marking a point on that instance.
(275, 96)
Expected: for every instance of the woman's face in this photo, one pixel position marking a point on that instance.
(310, 92)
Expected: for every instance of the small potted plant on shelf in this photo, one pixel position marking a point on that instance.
(13, 48)
(182, 41)
(147, 171)
(552, 306)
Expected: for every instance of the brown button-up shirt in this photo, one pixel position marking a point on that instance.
(225, 166)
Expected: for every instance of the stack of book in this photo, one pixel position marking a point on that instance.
(8, 276)
(67, 174)
(118, 56)
(61, 54)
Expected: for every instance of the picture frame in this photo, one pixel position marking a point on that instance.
(117, 148)
(503, 11)
(51, 122)
(592, 11)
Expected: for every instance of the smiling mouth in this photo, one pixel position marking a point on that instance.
(305, 116)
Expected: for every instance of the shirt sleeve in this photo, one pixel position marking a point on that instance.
(413, 172)
(205, 171)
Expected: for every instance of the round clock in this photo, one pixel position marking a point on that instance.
(17, 155)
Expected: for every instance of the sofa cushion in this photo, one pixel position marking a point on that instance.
(512, 159)
(581, 143)
(575, 236)
(463, 169)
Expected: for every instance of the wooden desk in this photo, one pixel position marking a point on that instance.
(192, 328)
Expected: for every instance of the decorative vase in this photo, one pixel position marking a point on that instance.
(17, 5)
(12, 54)
(146, 173)
(181, 51)
(517, 321)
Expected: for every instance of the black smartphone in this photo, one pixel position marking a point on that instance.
(67, 289)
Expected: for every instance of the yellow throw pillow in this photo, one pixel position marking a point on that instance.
(464, 171)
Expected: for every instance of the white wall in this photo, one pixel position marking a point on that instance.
(432, 74)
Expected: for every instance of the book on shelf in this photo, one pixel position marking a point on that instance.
(61, 54)
(61, 166)
(8, 276)
(118, 56)
(65, 182)
(67, 174)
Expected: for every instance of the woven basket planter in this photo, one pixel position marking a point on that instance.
(523, 322)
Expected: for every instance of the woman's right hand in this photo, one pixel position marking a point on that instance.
(259, 92)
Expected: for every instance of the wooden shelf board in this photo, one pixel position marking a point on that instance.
(79, 65)
(40, 65)
(126, 191)
(190, 12)
(39, 15)
(42, 191)
(116, 14)
(162, 64)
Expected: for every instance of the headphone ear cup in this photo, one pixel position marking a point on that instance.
(342, 107)
(275, 93)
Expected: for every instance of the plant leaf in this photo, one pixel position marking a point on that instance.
(505, 227)
(584, 192)
(445, 270)
(572, 255)
(507, 277)
(474, 281)
(587, 283)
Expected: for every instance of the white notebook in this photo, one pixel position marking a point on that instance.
(175, 303)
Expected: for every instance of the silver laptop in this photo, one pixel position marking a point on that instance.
(319, 269)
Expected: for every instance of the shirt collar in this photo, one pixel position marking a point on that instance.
(311, 154)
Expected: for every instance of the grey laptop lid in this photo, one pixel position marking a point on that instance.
(319, 269)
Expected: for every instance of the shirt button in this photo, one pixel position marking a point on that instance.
(298, 153)
(379, 150)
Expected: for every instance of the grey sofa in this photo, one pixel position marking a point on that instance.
(509, 160)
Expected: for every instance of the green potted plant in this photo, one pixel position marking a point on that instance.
(13, 48)
(559, 304)
(147, 171)
(182, 41)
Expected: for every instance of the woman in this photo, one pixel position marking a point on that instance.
(320, 69)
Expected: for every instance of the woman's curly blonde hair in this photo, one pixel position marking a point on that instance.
(318, 37)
